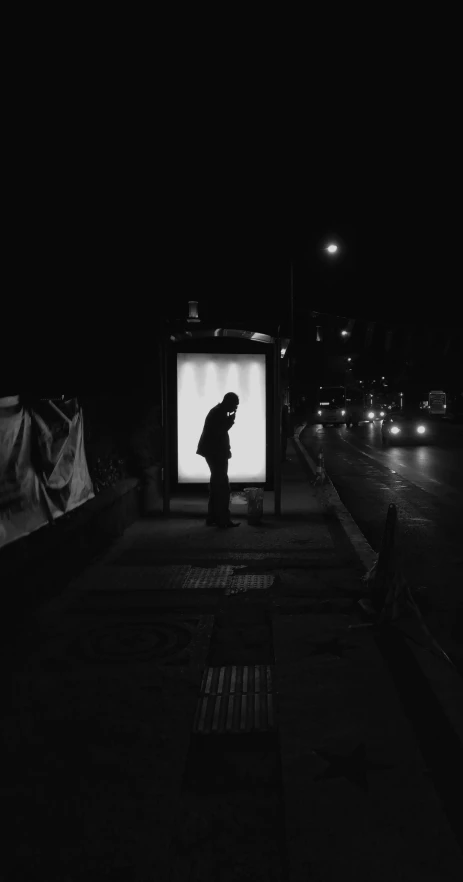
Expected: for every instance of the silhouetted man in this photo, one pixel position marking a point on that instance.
(214, 445)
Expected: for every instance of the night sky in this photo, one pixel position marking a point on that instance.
(387, 269)
(117, 250)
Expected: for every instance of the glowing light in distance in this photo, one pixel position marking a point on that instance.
(421, 429)
(395, 430)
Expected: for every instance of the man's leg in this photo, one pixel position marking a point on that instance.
(222, 504)
(219, 494)
(211, 515)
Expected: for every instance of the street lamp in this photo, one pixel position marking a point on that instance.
(344, 333)
(332, 248)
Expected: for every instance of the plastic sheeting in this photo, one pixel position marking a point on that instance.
(43, 468)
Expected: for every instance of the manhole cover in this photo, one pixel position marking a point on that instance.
(134, 641)
(249, 583)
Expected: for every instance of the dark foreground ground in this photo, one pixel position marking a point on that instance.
(206, 705)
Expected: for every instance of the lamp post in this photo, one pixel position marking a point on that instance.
(332, 248)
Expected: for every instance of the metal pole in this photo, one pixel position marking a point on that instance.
(291, 351)
(277, 426)
(165, 428)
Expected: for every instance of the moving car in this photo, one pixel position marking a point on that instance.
(405, 426)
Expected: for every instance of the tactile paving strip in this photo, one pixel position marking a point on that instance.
(235, 699)
(209, 578)
(237, 678)
(249, 583)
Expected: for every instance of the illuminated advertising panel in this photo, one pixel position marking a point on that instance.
(202, 381)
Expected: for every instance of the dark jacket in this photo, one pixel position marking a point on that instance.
(214, 441)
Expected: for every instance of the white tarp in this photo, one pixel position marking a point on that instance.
(43, 468)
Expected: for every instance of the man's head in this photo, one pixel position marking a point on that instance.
(230, 401)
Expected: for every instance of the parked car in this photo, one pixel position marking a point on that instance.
(406, 426)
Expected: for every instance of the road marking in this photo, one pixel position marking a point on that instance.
(364, 550)
(444, 489)
(445, 684)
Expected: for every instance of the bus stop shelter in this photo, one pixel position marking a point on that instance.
(198, 365)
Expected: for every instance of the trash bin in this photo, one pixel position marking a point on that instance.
(255, 497)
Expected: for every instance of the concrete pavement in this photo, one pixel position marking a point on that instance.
(206, 705)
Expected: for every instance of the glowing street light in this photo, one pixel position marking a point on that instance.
(332, 249)
(344, 333)
(349, 359)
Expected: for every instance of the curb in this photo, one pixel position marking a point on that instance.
(445, 684)
(364, 551)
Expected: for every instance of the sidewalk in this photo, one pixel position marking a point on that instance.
(196, 707)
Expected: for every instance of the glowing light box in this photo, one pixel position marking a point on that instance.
(202, 381)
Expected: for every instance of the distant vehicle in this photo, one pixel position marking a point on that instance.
(406, 426)
(339, 405)
(332, 405)
(377, 410)
(437, 403)
(357, 407)
(454, 409)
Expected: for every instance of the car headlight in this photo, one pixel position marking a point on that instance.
(371, 415)
(343, 413)
(319, 413)
(382, 413)
(421, 430)
(395, 430)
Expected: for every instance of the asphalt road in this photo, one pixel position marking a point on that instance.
(426, 484)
